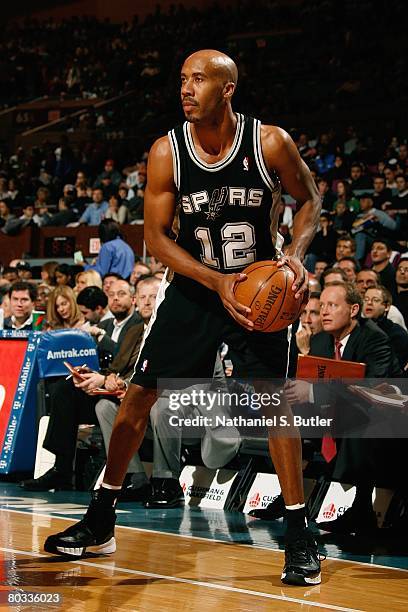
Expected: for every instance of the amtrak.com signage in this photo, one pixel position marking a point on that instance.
(206, 488)
(24, 358)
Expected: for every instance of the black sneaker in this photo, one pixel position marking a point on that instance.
(352, 522)
(136, 494)
(273, 511)
(302, 559)
(51, 480)
(94, 534)
(167, 493)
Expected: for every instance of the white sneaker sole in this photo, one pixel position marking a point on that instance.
(299, 579)
(107, 548)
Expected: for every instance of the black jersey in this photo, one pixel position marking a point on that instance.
(228, 211)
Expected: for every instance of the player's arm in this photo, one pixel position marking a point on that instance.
(281, 154)
(159, 210)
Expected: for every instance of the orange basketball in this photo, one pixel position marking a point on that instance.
(268, 293)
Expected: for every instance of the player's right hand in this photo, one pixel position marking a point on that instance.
(225, 288)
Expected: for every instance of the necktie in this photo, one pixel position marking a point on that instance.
(329, 449)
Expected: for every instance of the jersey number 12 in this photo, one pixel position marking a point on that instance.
(237, 246)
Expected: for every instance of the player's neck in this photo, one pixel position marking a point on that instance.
(217, 135)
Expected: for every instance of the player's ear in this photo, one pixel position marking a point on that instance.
(229, 89)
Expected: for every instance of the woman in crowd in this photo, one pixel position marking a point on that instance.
(115, 254)
(63, 275)
(117, 211)
(345, 194)
(62, 309)
(87, 278)
(48, 273)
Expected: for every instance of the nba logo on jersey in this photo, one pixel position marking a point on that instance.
(245, 163)
(144, 365)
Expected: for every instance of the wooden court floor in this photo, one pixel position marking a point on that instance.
(162, 571)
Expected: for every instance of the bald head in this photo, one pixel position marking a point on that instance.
(216, 63)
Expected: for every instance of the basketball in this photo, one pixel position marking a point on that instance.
(268, 293)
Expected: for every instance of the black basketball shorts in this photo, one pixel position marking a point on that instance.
(186, 330)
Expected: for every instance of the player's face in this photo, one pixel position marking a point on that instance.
(201, 90)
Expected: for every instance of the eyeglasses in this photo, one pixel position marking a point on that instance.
(374, 300)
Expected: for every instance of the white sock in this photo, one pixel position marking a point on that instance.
(111, 487)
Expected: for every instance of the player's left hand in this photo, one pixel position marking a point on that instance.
(301, 284)
(297, 391)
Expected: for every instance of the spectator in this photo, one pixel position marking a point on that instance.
(368, 278)
(24, 270)
(117, 211)
(43, 294)
(110, 173)
(108, 280)
(345, 195)
(139, 269)
(350, 266)
(369, 224)
(323, 243)
(62, 309)
(95, 212)
(5, 306)
(115, 254)
(389, 174)
(320, 266)
(338, 172)
(333, 275)
(110, 333)
(65, 214)
(345, 247)
(377, 302)
(10, 274)
(358, 180)
(5, 213)
(310, 323)
(327, 196)
(63, 275)
(342, 218)
(48, 273)
(380, 255)
(22, 302)
(401, 277)
(87, 278)
(381, 193)
(93, 304)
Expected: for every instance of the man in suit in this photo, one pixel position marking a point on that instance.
(346, 336)
(73, 404)
(22, 303)
(109, 333)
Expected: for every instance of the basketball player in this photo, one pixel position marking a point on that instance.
(221, 170)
